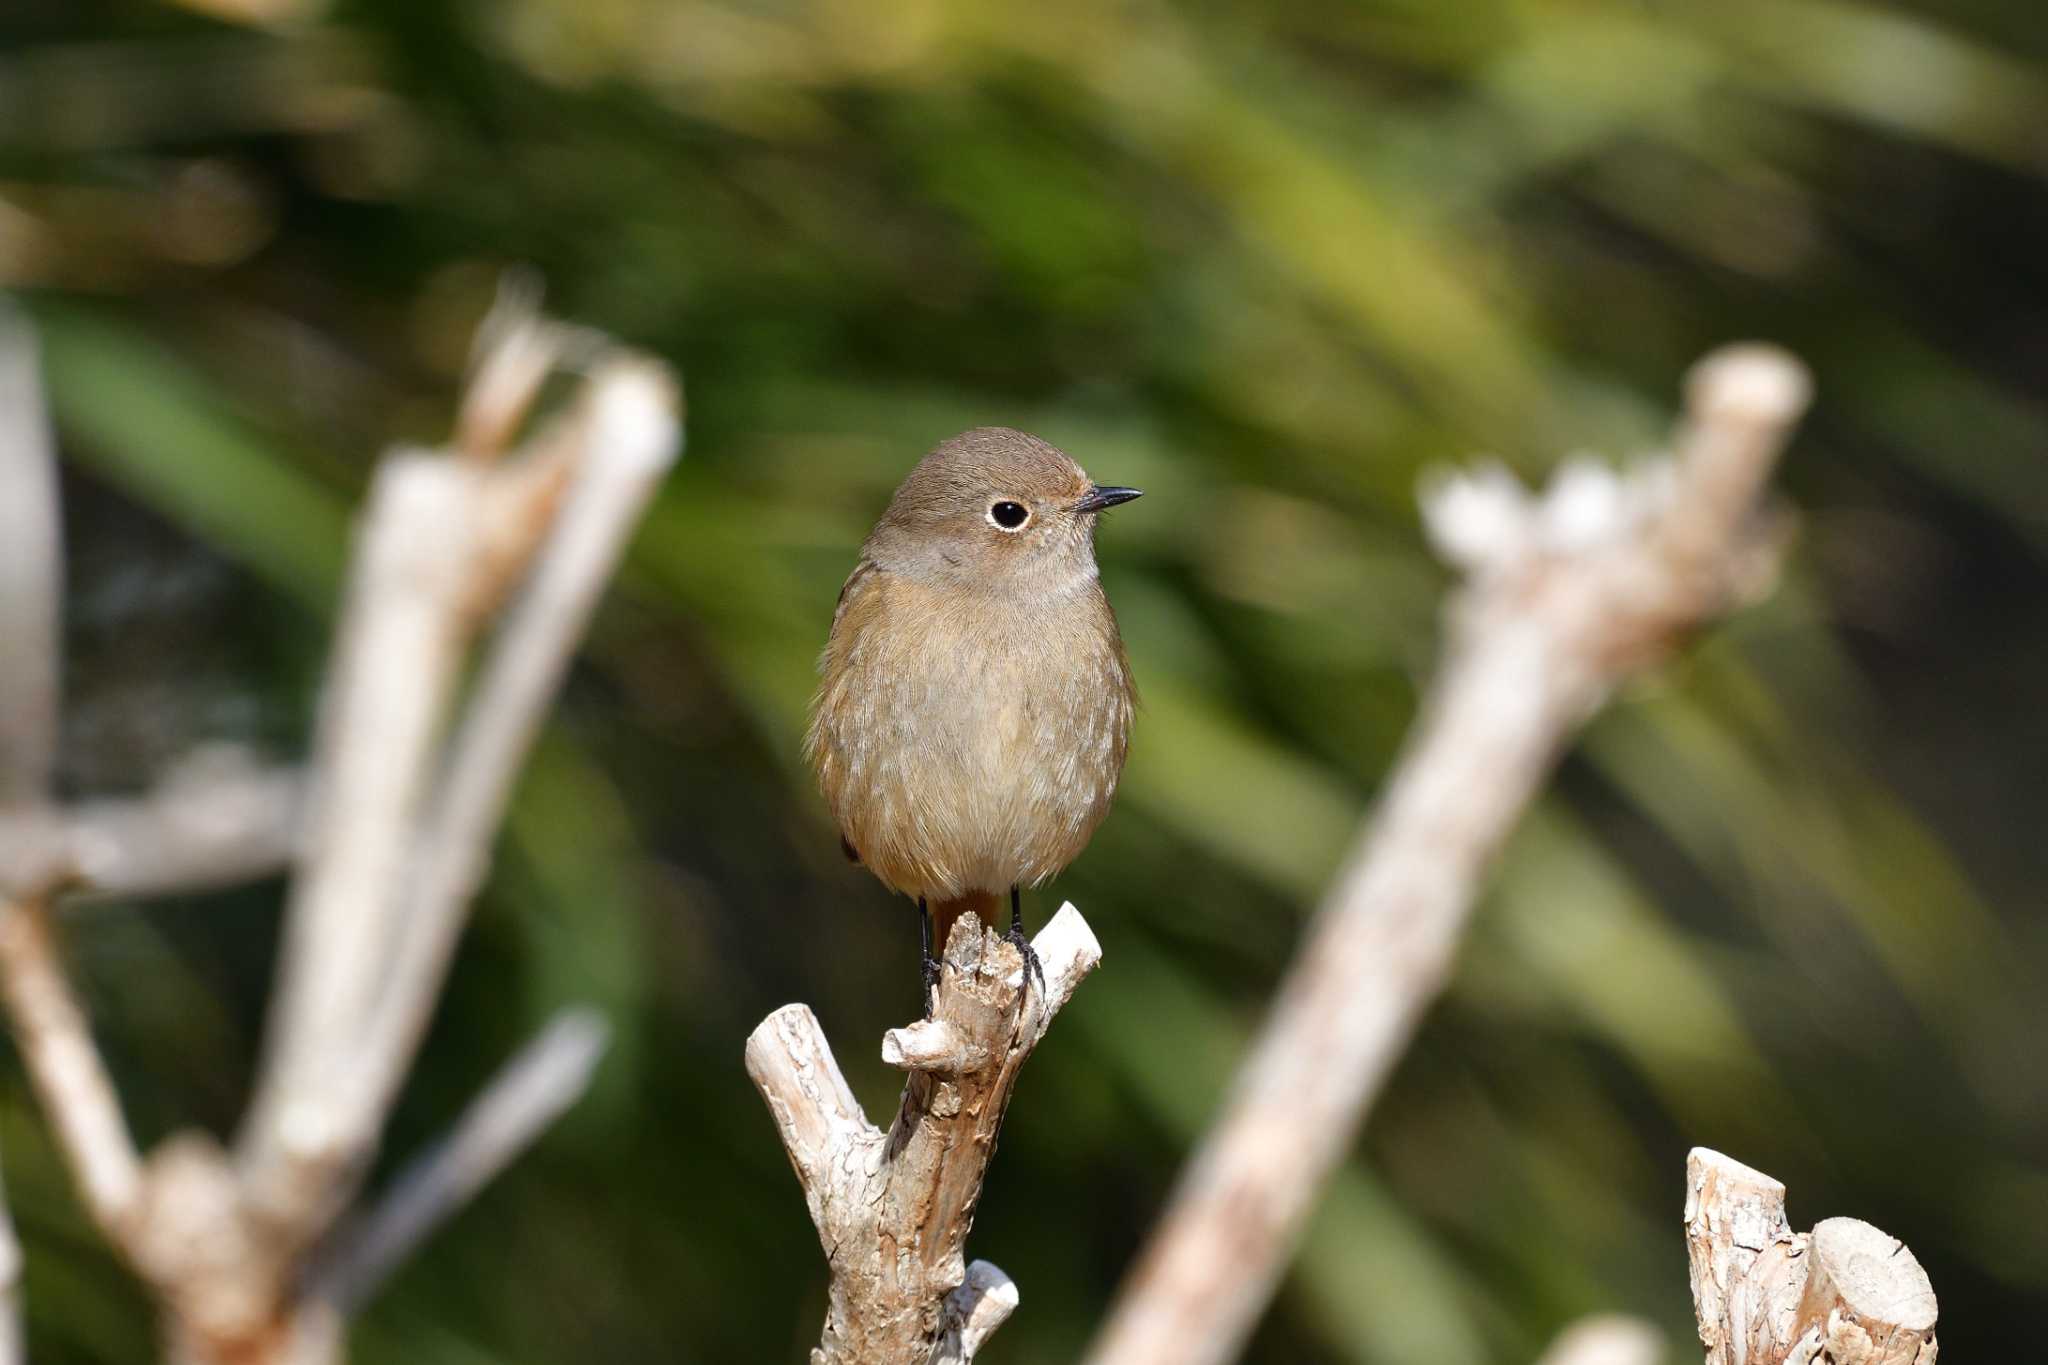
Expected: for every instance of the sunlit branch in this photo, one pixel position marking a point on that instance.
(1566, 595)
(1845, 1293)
(893, 1209)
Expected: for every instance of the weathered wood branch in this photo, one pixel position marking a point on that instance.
(1843, 1294)
(393, 848)
(625, 435)
(1747, 1268)
(400, 839)
(1566, 596)
(396, 662)
(981, 1304)
(893, 1209)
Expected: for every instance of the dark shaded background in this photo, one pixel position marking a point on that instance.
(1267, 262)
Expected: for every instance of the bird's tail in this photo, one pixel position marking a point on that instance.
(983, 903)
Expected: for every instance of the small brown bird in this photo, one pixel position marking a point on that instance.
(976, 700)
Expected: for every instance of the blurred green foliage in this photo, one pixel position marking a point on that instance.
(1268, 262)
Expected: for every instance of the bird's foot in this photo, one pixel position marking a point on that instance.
(929, 968)
(1032, 966)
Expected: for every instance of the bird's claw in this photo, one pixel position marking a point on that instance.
(1032, 966)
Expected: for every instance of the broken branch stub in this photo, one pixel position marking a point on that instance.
(1843, 1294)
(893, 1209)
(1867, 1300)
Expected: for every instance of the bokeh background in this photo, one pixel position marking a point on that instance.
(1269, 262)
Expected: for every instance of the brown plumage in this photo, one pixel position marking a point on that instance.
(976, 701)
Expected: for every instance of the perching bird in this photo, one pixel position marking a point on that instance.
(976, 700)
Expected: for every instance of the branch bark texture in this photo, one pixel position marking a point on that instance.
(1566, 595)
(1843, 1294)
(893, 1209)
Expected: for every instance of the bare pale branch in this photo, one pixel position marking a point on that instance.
(816, 1116)
(216, 819)
(1567, 594)
(394, 670)
(630, 434)
(64, 1066)
(1734, 1219)
(546, 1077)
(410, 835)
(893, 1210)
(514, 351)
(1843, 1294)
(982, 1303)
(390, 831)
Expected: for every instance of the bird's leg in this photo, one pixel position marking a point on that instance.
(928, 966)
(1032, 966)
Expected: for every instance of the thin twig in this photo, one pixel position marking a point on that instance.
(70, 1080)
(215, 820)
(547, 1076)
(391, 871)
(514, 351)
(1566, 596)
(982, 1303)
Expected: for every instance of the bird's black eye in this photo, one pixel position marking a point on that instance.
(1009, 515)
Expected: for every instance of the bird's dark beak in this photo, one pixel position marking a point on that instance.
(1101, 498)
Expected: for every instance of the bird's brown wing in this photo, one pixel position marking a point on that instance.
(862, 576)
(849, 588)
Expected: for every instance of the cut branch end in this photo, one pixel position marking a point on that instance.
(893, 1211)
(1846, 1293)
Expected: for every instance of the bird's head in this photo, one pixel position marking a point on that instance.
(994, 507)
